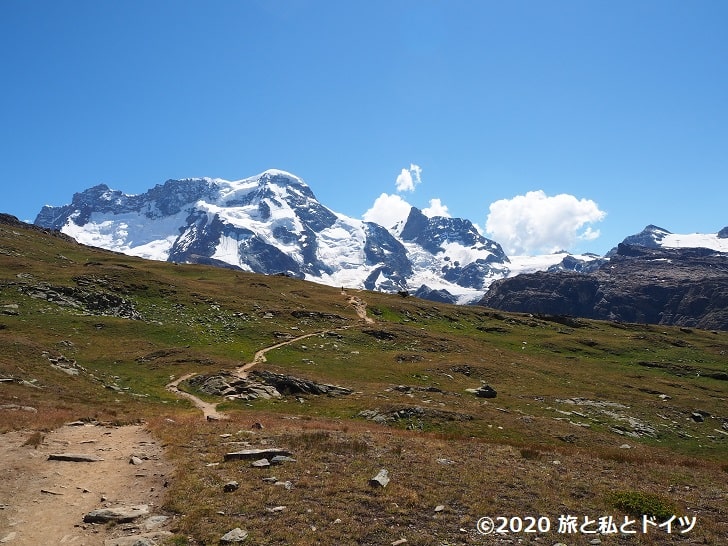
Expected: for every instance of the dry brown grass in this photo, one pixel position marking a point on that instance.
(331, 502)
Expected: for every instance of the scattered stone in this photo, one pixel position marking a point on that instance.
(625, 446)
(381, 479)
(257, 426)
(439, 508)
(49, 492)
(235, 536)
(484, 391)
(276, 509)
(280, 459)
(147, 539)
(253, 454)
(260, 463)
(121, 514)
(231, 486)
(74, 458)
(16, 407)
(135, 460)
(697, 417)
(287, 484)
(153, 522)
(271, 479)
(445, 461)
(399, 542)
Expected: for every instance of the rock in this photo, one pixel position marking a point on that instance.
(439, 508)
(74, 457)
(121, 514)
(16, 407)
(399, 542)
(260, 463)
(697, 417)
(253, 454)
(294, 385)
(381, 479)
(153, 522)
(280, 459)
(484, 391)
(135, 460)
(137, 540)
(235, 536)
(231, 486)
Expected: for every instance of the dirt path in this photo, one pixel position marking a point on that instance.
(44, 501)
(259, 358)
(209, 411)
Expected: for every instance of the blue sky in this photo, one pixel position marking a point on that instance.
(553, 123)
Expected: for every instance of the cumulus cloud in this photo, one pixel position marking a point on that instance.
(409, 178)
(388, 210)
(436, 208)
(536, 223)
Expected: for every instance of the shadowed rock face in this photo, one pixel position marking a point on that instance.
(683, 287)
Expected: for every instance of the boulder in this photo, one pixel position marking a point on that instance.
(120, 514)
(381, 479)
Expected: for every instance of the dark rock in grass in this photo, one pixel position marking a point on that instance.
(288, 384)
(254, 454)
(484, 391)
(229, 487)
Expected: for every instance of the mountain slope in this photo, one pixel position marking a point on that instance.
(584, 409)
(685, 287)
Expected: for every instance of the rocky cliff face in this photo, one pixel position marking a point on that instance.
(685, 287)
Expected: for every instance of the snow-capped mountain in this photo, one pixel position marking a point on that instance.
(656, 237)
(273, 223)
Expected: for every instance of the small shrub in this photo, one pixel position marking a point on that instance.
(529, 453)
(34, 440)
(637, 503)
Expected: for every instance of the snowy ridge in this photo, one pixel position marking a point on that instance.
(272, 223)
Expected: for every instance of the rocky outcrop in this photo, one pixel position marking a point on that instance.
(93, 302)
(288, 384)
(684, 287)
(261, 385)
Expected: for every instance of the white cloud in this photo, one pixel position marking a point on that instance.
(409, 178)
(536, 223)
(387, 210)
(436, 208)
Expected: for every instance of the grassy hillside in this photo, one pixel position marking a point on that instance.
(589, 416)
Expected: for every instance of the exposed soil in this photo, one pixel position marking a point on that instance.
(44, 501)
